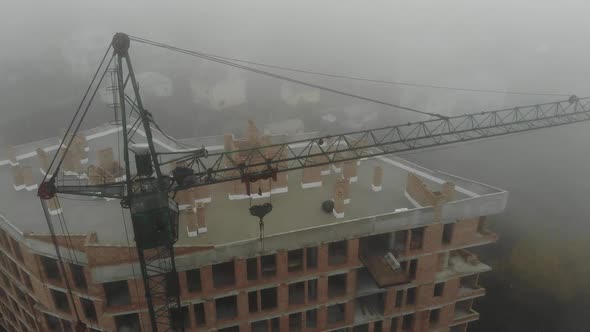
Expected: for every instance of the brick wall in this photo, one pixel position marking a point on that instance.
(465, 231)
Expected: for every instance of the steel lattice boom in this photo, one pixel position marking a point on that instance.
(263, 161)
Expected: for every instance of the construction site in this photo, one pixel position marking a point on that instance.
(392, 256)
(138, 231)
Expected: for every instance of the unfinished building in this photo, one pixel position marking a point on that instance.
(392, 255)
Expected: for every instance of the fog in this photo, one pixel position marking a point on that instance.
(50, 51)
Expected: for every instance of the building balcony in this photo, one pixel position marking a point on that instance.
(462, 316)
(470, 292)
(368, 308)
(384, 271)
(485, 235)
(462, 262)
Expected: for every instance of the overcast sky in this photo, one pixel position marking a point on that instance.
(538, 46)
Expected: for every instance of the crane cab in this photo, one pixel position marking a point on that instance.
(155, 220)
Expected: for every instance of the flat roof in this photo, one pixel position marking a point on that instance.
(227, 221)
(230, 220)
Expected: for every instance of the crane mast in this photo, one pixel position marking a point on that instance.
(154, 214)
(148, 194)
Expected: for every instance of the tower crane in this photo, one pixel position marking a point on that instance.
(149, 194)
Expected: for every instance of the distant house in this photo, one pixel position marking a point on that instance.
(294, 94)
(288, 127)
(155, 84)
(352, 116)
(222, 94)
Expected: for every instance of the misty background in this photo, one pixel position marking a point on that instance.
(541, 278)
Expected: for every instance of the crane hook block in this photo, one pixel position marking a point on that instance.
(260, 211)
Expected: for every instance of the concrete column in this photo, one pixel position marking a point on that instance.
(43, 160)
(438, 204)
(30, 183)
(351, 283)
(408, 241)
(350, 171)
(342, 187)
(201, 194)
(282, 181)
(201, 211)
(284, 323)
(228, 142)
(323, 289)
(282, 264)
(210, 314)
(191, 314)
(72, 164)
(338, 207)
(18, 178)
(244, 327)
(252, 133)
(377, 178)
(349, 313)
(421, 322)
(228, 146)
(188, 220)
(311, 178)
(386, 325)
(206, 279)
(283, 297)
(82, 147)
(323, 257)
(389, 305)
(445, 260)
(399, 322)
(322, 318)
(105, 158)
(11, 155)
(426, 268)
(242, 299)
(424, 295)
(432, 238)
(352, 252)
(305, 290)
(448, 190)
(241, 273)
(325, 169)
(107, 323)
(446, 314)
(183, 198)
(451, 289)
(182, 283)
(53, 208)
(136, 294)
(339, 199)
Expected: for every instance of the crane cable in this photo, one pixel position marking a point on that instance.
(365, 79)
(61, 143)
(58, 253)
(60, 161)
(73, 258)
(277, 76)
(417, 85)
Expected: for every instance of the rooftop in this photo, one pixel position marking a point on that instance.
(227, 220)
